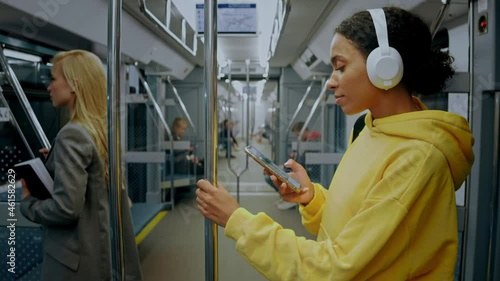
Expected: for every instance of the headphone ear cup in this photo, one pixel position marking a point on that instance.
(384, 71)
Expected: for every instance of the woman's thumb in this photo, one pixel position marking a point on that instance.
(290, 163)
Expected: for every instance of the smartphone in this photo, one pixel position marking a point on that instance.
(272, 168)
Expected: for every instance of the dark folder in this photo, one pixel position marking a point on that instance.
(37, 178)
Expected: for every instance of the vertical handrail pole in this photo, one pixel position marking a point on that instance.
(168, 8)
(248, 129)
(247, 70)
(239, 173)
(248, 111)
(229, 117)
(114, 147)
(210, 72)
(247, 62)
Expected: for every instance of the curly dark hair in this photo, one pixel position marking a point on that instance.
(426, 69)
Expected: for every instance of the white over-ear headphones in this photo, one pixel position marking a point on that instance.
(384, 64)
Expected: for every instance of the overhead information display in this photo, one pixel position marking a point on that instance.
(231, 18)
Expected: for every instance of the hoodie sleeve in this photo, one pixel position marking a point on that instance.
(312, 213)
(280, 255)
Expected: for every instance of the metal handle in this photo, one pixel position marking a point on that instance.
(157, 108)
(311, 113)
(439, 18)
(210, 79)
(155, 104)
(11, 76)
(299, 107)
(238, 174)
(114, 146)
(14, 123)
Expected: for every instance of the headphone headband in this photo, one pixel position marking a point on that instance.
(380, 23)
(384, 64)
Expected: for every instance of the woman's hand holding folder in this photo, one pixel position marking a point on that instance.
(26, 191)
(45, 152)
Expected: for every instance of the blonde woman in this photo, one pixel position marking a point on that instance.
(185, 162)
(76, 218)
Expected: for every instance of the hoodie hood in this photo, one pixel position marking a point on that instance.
(448, 132)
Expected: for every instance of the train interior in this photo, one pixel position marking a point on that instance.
(272, 61)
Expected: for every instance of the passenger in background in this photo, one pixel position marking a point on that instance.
(185, 162)
(306, 137)
(226, 137)
(266, 129)
(390, 211)
(76, 218)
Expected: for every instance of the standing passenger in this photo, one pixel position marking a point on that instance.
(390, 211)
(76, 218)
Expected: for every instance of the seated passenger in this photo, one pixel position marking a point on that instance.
(307, 136)
(226, 137)
(185, 162)
(76, 219)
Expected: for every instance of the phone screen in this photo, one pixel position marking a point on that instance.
(272, 167)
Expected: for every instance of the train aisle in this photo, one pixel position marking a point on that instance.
(175, 249)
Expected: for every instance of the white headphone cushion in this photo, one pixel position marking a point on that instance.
(385, 71)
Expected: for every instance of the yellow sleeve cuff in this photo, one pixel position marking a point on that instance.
(235, 226)
(311, 209)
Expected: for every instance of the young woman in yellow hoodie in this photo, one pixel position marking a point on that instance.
(389, 213)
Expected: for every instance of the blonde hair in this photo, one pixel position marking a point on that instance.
(178, 123)
(85, 75)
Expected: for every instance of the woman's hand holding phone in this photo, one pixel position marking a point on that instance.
(272, 168)
(306, 192)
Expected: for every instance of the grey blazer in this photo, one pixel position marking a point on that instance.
(76, 218)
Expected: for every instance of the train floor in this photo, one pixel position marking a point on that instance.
(175, 249)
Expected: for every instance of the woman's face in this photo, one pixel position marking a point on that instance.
(59, 89)
(180, 129)
(349, 80)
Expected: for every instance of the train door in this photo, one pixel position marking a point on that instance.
(481, 253)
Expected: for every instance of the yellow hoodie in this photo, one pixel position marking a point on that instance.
(389, 213)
